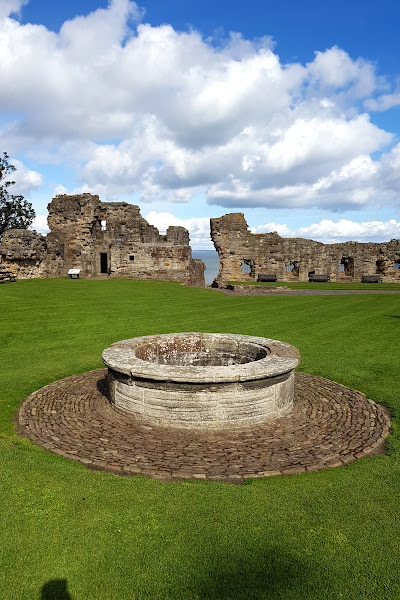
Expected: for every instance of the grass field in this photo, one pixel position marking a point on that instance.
(71, 533)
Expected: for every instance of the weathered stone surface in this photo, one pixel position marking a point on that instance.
(25, 249)
(202, 380)
(294, 259)
(109, 238)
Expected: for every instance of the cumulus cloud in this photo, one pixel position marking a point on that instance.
(40, 224)
(330, 232)
(8, 7)
(335, 70)
(383, 102)
(145, 109)
(25, 180)
(199, 228)
(60, 189)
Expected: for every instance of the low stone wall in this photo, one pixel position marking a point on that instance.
(202, 380)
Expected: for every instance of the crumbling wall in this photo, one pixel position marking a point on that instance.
(104, 238)
(22, 252)
(294, 259)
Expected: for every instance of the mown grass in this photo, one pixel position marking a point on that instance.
(327, 535)
(306, 285)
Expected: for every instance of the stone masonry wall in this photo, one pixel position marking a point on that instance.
(101, 238)
(293, 259)
(22, 252)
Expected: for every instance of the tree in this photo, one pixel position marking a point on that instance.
(15, 211)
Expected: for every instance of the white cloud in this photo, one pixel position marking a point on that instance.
(25, 179)
(8, 7)
(40, 224)
(383, 102)
(282, 229)
(335, 69)
(330, 232)
(59, 189)
(199, 228)
(163, 113)
(163, 220)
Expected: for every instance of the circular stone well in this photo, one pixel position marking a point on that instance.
(202, 380)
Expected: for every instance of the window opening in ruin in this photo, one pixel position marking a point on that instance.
(131, 257)
(103, 262)
(248, 267)
(347, 266)
(380, 266)
(397, 264)
(293, 268)
(103, 225)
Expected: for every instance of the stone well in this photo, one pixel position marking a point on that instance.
(202, 380)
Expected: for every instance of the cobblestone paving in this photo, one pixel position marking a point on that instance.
(331, 425)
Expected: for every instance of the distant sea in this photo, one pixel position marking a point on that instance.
(211, 259)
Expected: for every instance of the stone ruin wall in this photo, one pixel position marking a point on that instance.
(268, 253)
(109, 238)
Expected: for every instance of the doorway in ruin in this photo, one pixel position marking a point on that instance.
(103, 262)
(347, 266)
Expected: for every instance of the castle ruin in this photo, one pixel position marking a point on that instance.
(100, 238)
(244, 256)
(112, 239)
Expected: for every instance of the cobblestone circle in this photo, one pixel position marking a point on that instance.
(331, 425)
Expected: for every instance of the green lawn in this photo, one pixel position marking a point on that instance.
(334, 534)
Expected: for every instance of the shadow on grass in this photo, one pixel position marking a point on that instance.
(271, 574)
(55, 589)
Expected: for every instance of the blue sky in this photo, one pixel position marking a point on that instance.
(288, 112)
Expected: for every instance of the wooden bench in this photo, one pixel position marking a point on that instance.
(371, 279)
(74, 273)
(266, 277)
(314, 278)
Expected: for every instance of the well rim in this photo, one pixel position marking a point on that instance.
(281, 358)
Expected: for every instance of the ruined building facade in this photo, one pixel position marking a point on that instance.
(100, 238)
(294, 259)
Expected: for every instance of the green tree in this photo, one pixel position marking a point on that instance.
(15, 211)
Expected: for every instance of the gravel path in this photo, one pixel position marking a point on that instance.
(253, 290)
